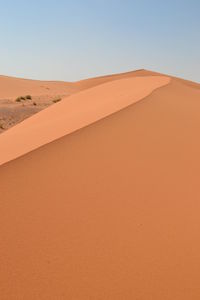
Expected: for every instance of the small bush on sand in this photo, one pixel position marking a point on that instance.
(22, 98)
(57, 100)
(19, 99)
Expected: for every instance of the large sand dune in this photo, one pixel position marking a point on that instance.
(11, 87)
(43, 94)
(74, 113)
(110, 211)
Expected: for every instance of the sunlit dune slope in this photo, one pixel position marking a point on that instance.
(74, 113)
(12, 87)
(15, 106)
(91, 82)
(110, 211)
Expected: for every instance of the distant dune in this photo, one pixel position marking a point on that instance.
(14, 107)
(11, 87)
(107, 205)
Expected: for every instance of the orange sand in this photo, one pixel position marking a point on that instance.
(11, 87)
(74, 113)
(110, 211)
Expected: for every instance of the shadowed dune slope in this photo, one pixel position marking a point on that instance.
(74, 113)
(110, 211)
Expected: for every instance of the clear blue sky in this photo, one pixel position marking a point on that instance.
(70, 40)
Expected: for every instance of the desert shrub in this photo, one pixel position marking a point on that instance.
(22, 98)
(19, 99)
(57, 100)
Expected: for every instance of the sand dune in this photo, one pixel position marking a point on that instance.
(110, 211)
(43, 94)
(74, 113)
(11, 87)
(91, 82)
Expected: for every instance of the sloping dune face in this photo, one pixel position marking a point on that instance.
(11, 87)
(91, 82)
(110, 211)
(15, 106)
(74, 113)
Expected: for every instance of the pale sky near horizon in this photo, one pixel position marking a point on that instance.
(72, 40)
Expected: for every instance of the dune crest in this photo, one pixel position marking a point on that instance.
(75, 112)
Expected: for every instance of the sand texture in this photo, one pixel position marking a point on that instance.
(109, 211)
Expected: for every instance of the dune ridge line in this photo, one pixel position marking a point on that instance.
(75, 112)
